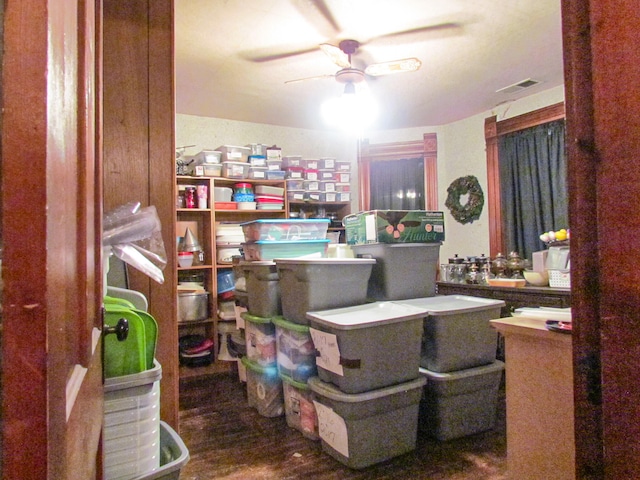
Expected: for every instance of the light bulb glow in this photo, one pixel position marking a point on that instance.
(351, 111)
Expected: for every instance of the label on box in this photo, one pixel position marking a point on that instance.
(328, 163)
(327, 346)
(198, 171)
(332, 428)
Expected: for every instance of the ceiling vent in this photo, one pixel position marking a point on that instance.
(517, 87)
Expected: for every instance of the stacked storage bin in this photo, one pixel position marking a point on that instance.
(308, 284)
(264, 387)
(406, 246)
(458, 359)
(266, 239)
(132, 424)
(321, 180)
(368, 388)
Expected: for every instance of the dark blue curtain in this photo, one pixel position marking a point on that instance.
(397, 184)
(533, 185)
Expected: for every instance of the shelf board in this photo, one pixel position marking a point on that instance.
(315, 202)
(244, 212)
(217, 367)
(197, 323)
(192, 210)
(195, 267)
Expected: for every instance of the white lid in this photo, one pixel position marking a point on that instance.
(367, 315)
(452, 304)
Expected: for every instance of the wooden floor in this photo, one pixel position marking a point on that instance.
(229, 440)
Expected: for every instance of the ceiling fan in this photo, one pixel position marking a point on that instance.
(350, 74)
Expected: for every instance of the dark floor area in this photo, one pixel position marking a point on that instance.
(229, 440)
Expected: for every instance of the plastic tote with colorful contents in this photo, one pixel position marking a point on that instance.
(264, 388)
(296, 354)
(299, 408)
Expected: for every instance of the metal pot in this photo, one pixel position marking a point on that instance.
(193, 307)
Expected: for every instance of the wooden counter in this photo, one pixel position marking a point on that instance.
(539, 397)
(512, 296)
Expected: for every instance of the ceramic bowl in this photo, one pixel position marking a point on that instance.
(537, 279)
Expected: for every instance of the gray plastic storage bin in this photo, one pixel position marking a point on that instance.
(457, 333)
(461, 403)
(368, 428)
(173, 455)
(402, 270)
(263, 288)
(368, 346)
(321, 283)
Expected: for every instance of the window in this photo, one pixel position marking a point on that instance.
(418, 157)
(494, 130)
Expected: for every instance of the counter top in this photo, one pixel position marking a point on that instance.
(533, 327)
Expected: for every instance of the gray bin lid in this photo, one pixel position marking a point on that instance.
(452, 304)
(367, 315)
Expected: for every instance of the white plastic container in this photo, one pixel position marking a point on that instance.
(235, 170)
(460, 403)
(320, 284)
(207, 157)
(233, 153)
(368, 346)
(263, 288)
(131, 430)
(457, 333)
(264, 388)
(368, 428)
(402, 270)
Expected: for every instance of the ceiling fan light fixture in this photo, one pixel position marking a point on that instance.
(396, 66)
(352, 111)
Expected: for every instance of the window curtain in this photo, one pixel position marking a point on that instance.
(397, 184)
(533, 185)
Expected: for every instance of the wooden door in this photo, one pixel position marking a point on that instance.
(51, 229)
(601, 44)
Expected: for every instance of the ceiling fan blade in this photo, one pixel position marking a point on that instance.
(336, 55)
(395, 66)
(437, 31)
(317, 77)
(271, 54)
(319, 15)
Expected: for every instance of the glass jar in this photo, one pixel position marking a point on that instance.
(499, 266)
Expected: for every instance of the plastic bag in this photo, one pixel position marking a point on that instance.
(134, 236)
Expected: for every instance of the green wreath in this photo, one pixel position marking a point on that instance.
(473, 208)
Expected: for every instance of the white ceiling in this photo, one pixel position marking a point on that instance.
(474, 48)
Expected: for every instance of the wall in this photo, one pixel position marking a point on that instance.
(461, 151)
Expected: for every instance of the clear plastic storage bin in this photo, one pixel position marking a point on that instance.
(296, 354)
(264, 388)
(289, 229)
(299, 408)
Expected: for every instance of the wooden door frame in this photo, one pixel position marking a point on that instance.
(52, 367)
